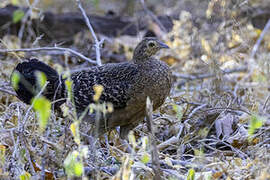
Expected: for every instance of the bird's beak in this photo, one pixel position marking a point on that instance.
(163, 45)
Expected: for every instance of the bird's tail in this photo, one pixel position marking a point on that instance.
(27, 83)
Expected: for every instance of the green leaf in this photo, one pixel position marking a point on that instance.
(73, 164)
(69, 88)
(17, 16)
(15, 79)
(41, 78)
(78, 169)
(43, 107)
(191, 174)
(74, 127)
(25, 176)
(145, 158)
(255, 123)
(68, 84)
(178, 110)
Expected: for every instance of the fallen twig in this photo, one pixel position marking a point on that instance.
(237, 151)
(228, 109)
(8, 91)
(196, 109)
(171, 141)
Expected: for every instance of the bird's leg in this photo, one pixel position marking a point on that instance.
(124, 130)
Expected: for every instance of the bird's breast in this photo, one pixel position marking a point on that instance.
(155, 82)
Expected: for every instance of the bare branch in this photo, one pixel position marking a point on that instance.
(256, 46)
(50, 49)
(26, 16)
(97, 42)
(208, 75)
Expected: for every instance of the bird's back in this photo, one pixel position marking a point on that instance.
(117, 81)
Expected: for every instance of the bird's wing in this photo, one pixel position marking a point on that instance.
(117, 81)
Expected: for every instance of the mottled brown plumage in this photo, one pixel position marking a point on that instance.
(126, 86)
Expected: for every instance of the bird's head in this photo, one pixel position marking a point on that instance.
(148, 47)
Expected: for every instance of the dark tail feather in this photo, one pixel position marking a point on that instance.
(28, 86)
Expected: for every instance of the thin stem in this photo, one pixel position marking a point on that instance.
(153, 16)
(97, 42)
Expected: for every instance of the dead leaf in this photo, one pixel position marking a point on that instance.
(224, 125)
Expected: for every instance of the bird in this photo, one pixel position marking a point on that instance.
(125, 85)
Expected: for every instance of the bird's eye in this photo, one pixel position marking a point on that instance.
(151, 44)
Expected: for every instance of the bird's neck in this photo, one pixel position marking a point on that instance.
(139, 59)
